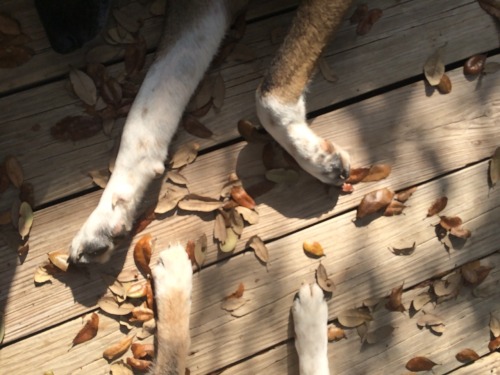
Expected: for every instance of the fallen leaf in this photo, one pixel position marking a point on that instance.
(140, 351)
(230, 242)
(169, 196)
(143, 221)
(241, 197)
(495, 167)
(323, 281)
(234, 300)
(83, 86)
(494, 325)
(421, 300)
(14, 171)
(184, 155)
(379, 335)
(474, 65)
(354, 317)
(43, 274)
(449, 286)
(444, 86)
(148, 329)
(429, 320)
(219, 92)
(25, 219)
(219, 228)
(259, 248)
(200, 250)
(394, 208)
(100, 177)
(434, 67)
(118, 349)
(467, 355)
(394, 303)
(120, 368)
(88, 331)
(449, 222)
(194, 202)
(357, 174)
(76, 128)
(313, 248)
(139, 364)
(250, 133)
(404, 250)
(195, 127)
(14, 56)
(112, 307)
(438, 329)
(404, 195)
(437, 206)
(494, 344)
(135, 57)
(420, 364)
(282, 176)
(360, 12)
(141, 313)
(112, 92)
(374, 202)
(377, 172)
(250, 216)
(102, 54)
(59, 259)
(326, 71)
(9, 25)
(136, 290)
(366, 23)
(335, 333)
(142, 253)
(460, 232)
(177, 178)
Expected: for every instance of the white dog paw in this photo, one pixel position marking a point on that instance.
(173, 272)
(310, 318)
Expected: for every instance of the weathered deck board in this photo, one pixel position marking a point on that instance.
(435, 141)
(401, 29)
(466, 320)
(357, 260)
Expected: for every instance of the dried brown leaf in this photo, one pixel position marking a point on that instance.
(112, 307)
(219, 228)
(354, 317)
(313, 248)
(438, 329)
(260, 249)
(449, 222)
(235, 300)
(177, 178)
(200, 250)
(59, 258)
(421, 300)
(494, 325)
(357, 174)
(374, 202)
(88, 331)
(434, 67)
(184, 155)
(460, 232)
(142, 253)
(241, 197)
(44, 273)
(169, 197)
(394, 208)
(495, 167)
(230, 241)
(323, 281)
(140, 351)
(366, 23)
(25, 219)
(335, 333)
(14, 171)
(83, 86)
(467, 355)
(326, 71)
(474, 65)
(100, 177)
(428, 320)
(360, 13)
(404, 195)
(142, 313)
(494, 344)
(117, 349)
(404, 250)
(250, 216)
(102, 53)
(250, 132)
(120, 368)
(135, 57)
(199, 203)
(139, 364)
(420, 364)
(394, 303)
(491, 7)
(437, 206)
(377, 172)
(195, 127)
(444, 86)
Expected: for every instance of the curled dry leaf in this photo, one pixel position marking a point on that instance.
(323, 281)
(195, 127)
(326, 71)
(25, 219)
(83, 86)
(230, 242)
(474, 273)
(200, 250)
(394, 303)
(199, 203)
(169, 197)
(354, 317)
(219, 228)
(467, 355)
(88, 331)
(449, 286)
(357, 174)
(135, 57)
(421, 300)
(140, 351)
(420, 364)
(235, 300)
(44, 273)
(14, 171)
(282, 175)
(474, 65)
(120, 368)
(313, 248)
(241, 197)
(494, 344)
(260, 249)
(148, 329)
(250, 132)
(494, 170)
(460, 232)
(250, 216)
(404, 195)
(494, 325)
(374, 201)
(449, 222)
(444, 85)
(142, 314)
(394, 208)
(335, 333)
(117, 349)
(184, 155)
(139, 364)
(377, 172)
(136, 290)
(434, 67)
(100, 177)
(437, 206)
(404, 250)
(429, 320)
(142, 253)
(110, 306)
(59, 259)
(177, 178)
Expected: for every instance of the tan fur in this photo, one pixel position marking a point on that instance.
(293, 66)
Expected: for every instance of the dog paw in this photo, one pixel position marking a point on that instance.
(287, 124)
(310, 318)
(173, 272)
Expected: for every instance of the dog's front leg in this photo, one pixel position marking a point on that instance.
(193, 32)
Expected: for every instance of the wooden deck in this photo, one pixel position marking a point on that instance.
(380, 109)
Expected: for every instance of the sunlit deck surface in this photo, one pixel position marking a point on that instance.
(380, 109)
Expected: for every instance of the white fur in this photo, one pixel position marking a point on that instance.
(287, 124)
(310, 318)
